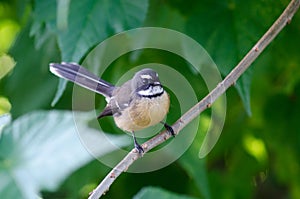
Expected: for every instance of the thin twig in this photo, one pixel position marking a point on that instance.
(206, 102)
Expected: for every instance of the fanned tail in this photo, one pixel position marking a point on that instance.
(81, 76)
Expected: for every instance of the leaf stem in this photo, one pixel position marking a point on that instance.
(230, 79)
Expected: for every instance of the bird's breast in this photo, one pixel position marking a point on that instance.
(143, 112)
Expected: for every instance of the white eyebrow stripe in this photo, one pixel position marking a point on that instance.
(146, 76)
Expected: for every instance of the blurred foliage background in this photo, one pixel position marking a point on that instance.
(258, 153)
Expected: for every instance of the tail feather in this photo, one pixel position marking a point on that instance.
(81, 76)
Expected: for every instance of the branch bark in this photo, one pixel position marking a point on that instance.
(284, 19)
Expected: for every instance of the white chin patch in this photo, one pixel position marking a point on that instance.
(152, 91)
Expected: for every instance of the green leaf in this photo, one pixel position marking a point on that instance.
(44, 23)
(195, 167)
(7, 63)
(60, 90)
(95, 21)
(153, 192)
(243, 86)
(62, 14)
(227, 30)
(160, 14)
(89, 22)
(39, 150)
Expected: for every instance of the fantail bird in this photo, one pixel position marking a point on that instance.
(137, 104)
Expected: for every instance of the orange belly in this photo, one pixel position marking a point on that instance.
(143, 113)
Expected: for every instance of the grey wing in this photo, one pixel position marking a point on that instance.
(120, 100)
(123, 96)
(108, 111)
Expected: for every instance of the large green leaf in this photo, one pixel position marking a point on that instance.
(88, 23)
(40, 149)
(153, 192)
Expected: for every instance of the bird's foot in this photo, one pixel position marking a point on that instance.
(139, 148)
(169, 129)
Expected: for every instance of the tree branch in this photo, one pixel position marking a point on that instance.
(231, 78)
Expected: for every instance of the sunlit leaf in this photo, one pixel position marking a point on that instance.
(6, 64)
(40, 149)
(4, 120)
(5, 105)
(8, 31)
